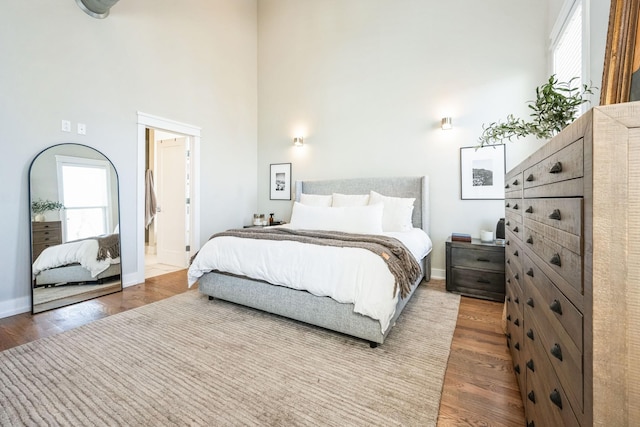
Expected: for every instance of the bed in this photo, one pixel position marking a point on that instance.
(294, 300)
(87, 261)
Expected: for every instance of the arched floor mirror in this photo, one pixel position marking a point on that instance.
(75, 239)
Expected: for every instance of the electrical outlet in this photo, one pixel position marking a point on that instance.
(82, 129)
(66, 126)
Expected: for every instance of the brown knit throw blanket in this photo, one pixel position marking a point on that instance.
(108, 246)
(401, 263)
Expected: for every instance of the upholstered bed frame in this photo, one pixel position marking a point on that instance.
(324, 311)
(74, 273)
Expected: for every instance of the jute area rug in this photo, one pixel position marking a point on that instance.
(190, 361)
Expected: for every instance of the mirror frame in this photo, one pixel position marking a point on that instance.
(116, 192)
(622, 54)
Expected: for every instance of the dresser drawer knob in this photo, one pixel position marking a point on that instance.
(517, 347)
(516, 322)
(530, 302)
(531, 424)
(530, 240)
(508, 335)
(516, 207)
(530, 334)
(555, 260)
(508, 261)
(532, 396)
(556, 351)
(484, 281)
(508, 223)
(530, 365)
(556, 307)
(516, 276)
(508, 205)
(530, 272)
(515, 182)
(517, 369)
(509, 281)
(529, 209)
(530, 177)
(515, 253)
(508, 317)
(555, 215)
(508, 298)
(483, 259)
(555, 398)
(556, 168)
(516, 300)
(506, 186)
(508, 242)
(516, 229)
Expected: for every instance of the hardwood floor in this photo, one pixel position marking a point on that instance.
(480, 388)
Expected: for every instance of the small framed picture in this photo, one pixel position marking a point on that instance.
(280, 181)
(482, 172)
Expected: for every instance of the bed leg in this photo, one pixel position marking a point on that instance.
(373, 344)
(210, 298)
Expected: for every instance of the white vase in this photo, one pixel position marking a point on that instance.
(39, 217)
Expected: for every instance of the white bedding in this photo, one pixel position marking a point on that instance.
(348, 275)
(83, 252)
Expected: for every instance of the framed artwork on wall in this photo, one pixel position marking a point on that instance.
(280, 181)
(482, 172)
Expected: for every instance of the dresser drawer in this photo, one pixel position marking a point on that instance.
(513, 209)
(545, 399)
(513, 228)
(513, 254)
(560, 352)
(557, 258)
(484, 284)
(564, 165)
(49, 232)
(478, 258)
(513, 185)
(561, 214)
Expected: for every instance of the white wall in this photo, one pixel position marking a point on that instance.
(366, 83)
(192, 63)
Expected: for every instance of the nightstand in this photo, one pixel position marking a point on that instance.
(475, 269)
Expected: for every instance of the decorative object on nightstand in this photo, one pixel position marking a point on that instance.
(475, 269)
(460, 237)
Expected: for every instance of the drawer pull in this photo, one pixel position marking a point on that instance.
(532, 396)
(530, 177)
(555, 215)
(508, 317)
(515, 207)
(516, 229)
(509, 281)
(530, 365)
(529, 209)
(516, 322)
(508, 223)
(516, 300)
(515, 182)
(530, 334)
(556, 168)
(531, 424)
(556, 307)
(517, 347)
(508, 242)
(530, 302)
(508, 205)
(483, 260)
(530, 240)
(508, 261)
(555, 398)
(516, 276)
(509, 299)
(509, 335)
(515, 253)
(555, 260)
(517, 369)
(506, 186)
(482, 280)
(530, 272)
(556, 351)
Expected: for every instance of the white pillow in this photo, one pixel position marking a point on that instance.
(397, 212)
(315, 200)
(345, 200)
(357, 219)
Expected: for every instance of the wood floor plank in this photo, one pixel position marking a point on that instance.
(480, 388)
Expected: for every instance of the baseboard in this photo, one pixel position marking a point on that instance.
(438, 273)
(131, 279)
(15, 306)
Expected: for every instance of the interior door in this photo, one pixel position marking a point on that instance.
(171, 201)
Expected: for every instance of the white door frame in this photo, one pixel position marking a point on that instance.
(149, 121)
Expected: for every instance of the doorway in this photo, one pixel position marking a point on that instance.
(170, 150)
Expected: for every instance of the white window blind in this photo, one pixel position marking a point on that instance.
(567, 47)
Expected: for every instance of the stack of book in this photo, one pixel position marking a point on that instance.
(460, 237)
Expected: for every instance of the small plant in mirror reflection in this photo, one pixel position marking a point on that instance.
(41, 206)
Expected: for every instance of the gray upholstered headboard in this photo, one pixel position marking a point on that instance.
(413, 186)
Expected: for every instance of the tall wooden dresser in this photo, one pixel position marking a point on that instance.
(572, 272)
(45, 234)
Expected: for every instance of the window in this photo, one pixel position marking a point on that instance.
(84, 187)
(566, 44)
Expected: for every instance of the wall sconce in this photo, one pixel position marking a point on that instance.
(446, 123)
(298, 141)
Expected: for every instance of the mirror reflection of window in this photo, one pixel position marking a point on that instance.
(84, 191)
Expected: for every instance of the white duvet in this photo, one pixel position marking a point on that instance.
(83, 252)
(348, 275)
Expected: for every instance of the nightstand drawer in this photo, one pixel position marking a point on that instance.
(479, 283)
(477, 258)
